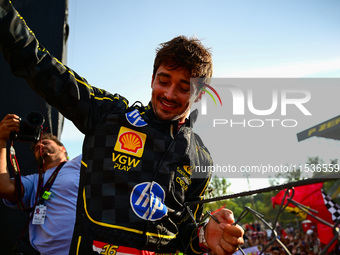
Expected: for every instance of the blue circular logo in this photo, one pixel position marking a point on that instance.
(147, 201)
(135, 119)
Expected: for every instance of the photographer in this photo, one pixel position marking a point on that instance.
(52, 218)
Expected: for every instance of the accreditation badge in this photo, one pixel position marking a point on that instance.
(39, 215)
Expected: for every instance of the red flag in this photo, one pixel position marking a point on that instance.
(313, 197)
(303, 194)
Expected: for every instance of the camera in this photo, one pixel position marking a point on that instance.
(30, 128)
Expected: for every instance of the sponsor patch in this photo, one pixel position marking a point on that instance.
(130, 142)
(135, 119)
(111, 249)
(188, 169)
(147, 201)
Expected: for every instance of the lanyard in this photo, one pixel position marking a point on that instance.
(17, 176)
(45, 191)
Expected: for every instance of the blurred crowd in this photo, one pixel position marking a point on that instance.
(297, 241)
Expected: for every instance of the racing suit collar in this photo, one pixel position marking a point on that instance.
(166, 125)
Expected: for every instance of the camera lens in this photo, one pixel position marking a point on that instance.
(34, 119)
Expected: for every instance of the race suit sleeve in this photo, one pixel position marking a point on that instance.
(60, 86)
(188, 236)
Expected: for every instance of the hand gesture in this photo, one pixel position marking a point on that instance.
(223, 237)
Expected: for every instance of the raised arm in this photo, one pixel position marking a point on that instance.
(60, 86)
(7, 186)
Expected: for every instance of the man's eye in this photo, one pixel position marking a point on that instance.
(185, 89)
(163, 82)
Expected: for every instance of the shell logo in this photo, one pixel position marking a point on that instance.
(130, 142)
(188, 169)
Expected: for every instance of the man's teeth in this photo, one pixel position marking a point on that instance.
(169, 105)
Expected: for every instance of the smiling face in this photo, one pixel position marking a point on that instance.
(171, 93)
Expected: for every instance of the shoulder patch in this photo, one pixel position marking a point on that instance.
(135, 119)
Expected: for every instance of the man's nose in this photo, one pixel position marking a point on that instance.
(170, 92)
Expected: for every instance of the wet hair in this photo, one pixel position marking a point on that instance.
(52, 137)
(183, 52)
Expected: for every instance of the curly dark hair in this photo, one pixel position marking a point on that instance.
(185, 52)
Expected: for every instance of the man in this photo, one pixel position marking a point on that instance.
(52, 220)
(137, 172)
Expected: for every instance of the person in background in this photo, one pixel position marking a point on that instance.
(52, 218)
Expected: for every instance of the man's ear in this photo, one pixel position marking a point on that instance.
(199, 96)
(152, 79)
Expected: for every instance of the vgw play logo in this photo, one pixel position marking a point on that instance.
(283, 103)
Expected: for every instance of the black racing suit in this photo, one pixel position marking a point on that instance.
(139, 171)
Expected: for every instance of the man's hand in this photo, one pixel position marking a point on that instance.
(11, 123)
(223, 237)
